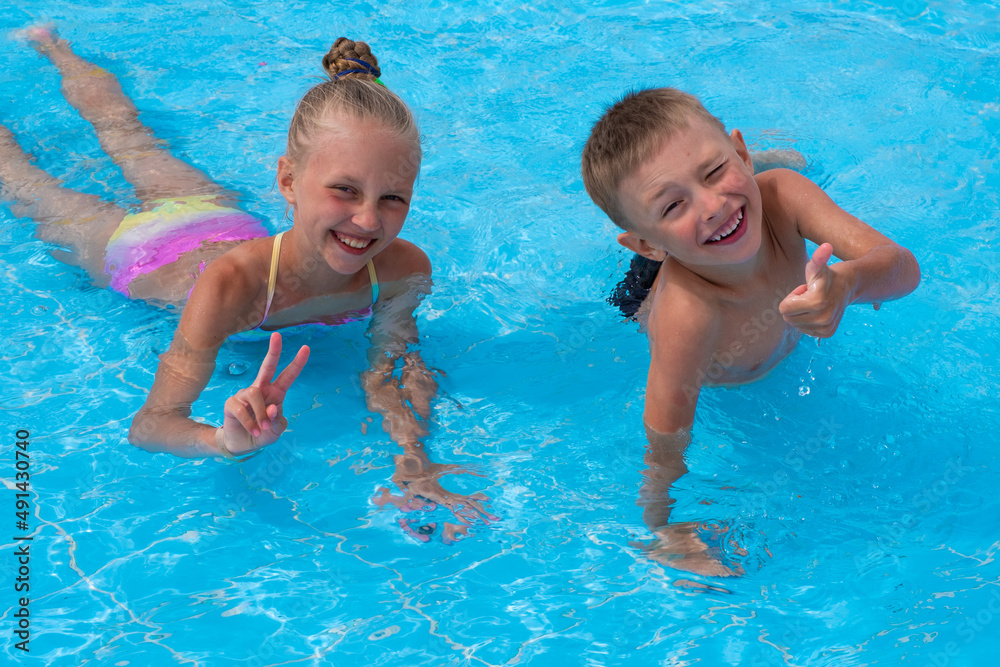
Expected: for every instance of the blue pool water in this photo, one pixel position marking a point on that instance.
(859, 475)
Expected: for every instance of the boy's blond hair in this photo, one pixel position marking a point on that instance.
(628, 134)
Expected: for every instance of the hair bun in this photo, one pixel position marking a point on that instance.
(349, 59)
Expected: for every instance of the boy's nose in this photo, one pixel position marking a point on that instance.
(713, 204)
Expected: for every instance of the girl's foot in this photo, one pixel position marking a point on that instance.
(42, 37)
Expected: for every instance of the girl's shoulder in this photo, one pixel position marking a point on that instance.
(238, 272)
(228, 296)
(401, 260)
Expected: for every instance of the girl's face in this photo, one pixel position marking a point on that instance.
(351, 194)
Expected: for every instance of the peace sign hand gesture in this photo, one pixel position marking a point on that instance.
(253, 417)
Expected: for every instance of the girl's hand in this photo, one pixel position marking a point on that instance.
(420, 481)
(253, 417)
(816, 307)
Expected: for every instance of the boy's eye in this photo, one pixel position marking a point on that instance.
(670, 207)
(717, 170)
(394, 198)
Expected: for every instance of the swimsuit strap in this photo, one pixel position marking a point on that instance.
(272, 278)
(374, 279)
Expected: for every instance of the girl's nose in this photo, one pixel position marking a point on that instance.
(366, 217)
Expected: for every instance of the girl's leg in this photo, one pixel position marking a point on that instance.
(97, 95)
(80, 222)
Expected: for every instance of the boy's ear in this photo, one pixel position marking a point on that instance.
(286, 179)
(638, 245)
(741, 148)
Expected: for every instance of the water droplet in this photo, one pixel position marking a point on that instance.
(39, 310)
(803, 391)
(238, 367)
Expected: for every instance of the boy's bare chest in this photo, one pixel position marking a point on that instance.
(753, 339)
(754, 336)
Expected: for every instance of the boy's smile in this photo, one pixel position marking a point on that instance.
(731, 230)
(695, 199)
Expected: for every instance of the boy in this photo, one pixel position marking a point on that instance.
(732, 247)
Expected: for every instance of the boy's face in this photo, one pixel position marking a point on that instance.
(695, 199)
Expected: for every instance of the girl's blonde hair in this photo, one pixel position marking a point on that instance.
(353, 88)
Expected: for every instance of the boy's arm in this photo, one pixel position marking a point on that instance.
(677, 545)
(682, 337)
(873, 268)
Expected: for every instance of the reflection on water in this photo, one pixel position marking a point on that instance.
(854, 547)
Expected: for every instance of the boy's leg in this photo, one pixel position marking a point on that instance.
(97, 95)
(80, 222)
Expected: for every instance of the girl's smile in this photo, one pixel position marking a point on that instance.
(353, 193)
(353, 244)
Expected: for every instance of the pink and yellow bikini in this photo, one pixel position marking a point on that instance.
(258, 333)
(146, 241)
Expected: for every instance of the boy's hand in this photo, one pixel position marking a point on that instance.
(816, 307)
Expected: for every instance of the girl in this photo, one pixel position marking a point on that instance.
(353, 154)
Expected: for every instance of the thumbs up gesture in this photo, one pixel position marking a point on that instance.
(815, 307)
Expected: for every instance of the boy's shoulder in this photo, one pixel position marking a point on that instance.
(788, 181)
(680, 306)
(783, 191)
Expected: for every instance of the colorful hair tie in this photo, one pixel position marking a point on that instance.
(359, 71)
(350, 71)
(374, 71)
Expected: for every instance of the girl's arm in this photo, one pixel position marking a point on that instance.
(220, 305)
(405, 401)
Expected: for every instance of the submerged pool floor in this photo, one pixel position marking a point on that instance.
(858, 477)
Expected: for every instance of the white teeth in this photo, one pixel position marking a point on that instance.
(354, 242)
(731, 228)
